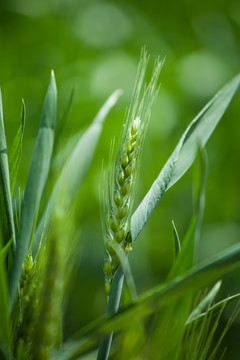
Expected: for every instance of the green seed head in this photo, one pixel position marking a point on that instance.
(126, 165)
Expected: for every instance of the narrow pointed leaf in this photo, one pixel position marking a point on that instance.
(8, 229)
(214, 309)
(198, 132)
(16, 151)
(176, 241)
(77, 164)
(205, 303)
(36, 181)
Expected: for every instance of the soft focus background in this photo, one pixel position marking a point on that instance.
(95, 46)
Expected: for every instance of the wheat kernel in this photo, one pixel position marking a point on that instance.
(110, 248)
(135, 126)
(129, 148)
(128, 170)
(118, 199)
(125, 161)
(125, 189)
(108, 269)
(121, 178)
(119, 236)
(115, 262)
(114, 225)
(120, 214)
(107, 287)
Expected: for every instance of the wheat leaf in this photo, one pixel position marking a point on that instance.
(77, 164)
(16, 150)
(198, 132)
(36, 181)
(8, 228)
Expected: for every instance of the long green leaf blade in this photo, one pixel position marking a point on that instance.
(8, 228)
(198, 132)
(16, 150)
(36, 181)
(77, 164)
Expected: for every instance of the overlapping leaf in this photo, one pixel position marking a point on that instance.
(36, 181)
(8, 229)
(77, 164)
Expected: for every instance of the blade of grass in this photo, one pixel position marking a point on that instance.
(36, 181)
(198, 132)
(16, 150)
(212, 309)
(169, 323)
(205, 303)
(176, 241)
(8, 227)
(77, 164)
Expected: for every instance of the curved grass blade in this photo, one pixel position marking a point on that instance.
(36, 181)
(8, 228)
(176, 241)
(16, 150)
(212, 309)
(153, 299)
(169, 321)
(169, 324)
(198, 132)
(205, 303)
(76, 165)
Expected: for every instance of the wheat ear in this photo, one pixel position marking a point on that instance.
(122, 176)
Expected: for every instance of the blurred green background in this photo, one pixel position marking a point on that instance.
(95, 45)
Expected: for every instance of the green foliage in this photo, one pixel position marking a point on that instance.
(8, 228)
(36, 181)
(34, 264)
(16, 151)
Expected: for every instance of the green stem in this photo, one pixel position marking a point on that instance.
(112, 308)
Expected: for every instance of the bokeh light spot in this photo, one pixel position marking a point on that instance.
(202, 73)
(102, 25)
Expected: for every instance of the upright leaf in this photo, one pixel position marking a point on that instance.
(36, 181)
(176, 241)
(77, 164)
(198, 132)
(16, 150)
(8, 229)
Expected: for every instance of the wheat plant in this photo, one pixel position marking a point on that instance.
(36, 247)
